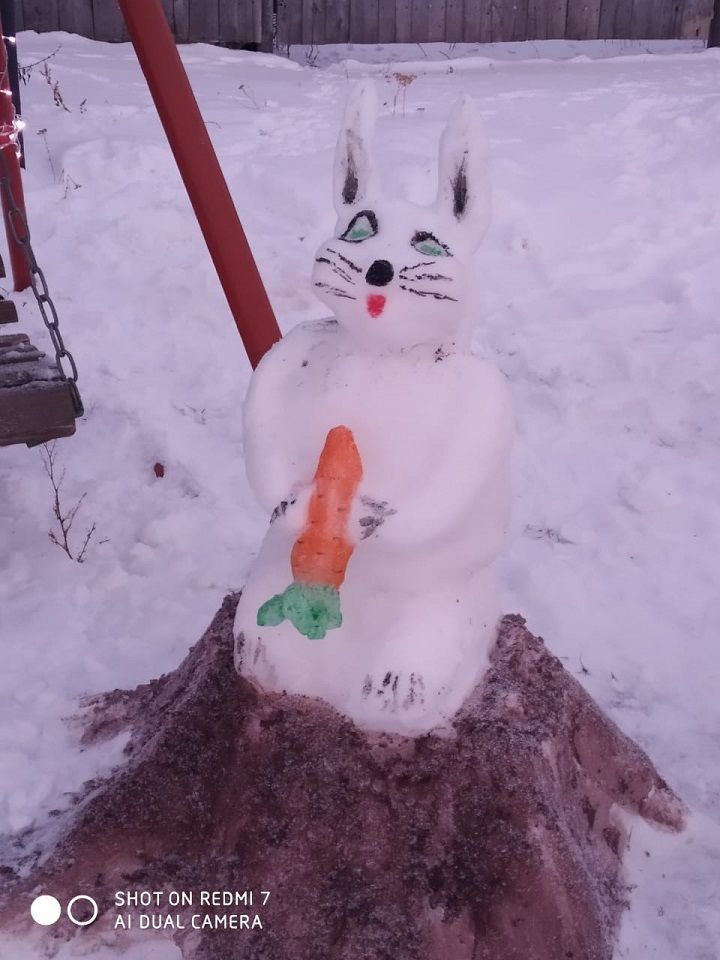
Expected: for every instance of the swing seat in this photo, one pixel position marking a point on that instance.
(8, 312)
(36, 404)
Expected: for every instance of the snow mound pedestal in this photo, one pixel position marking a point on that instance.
(501, 841)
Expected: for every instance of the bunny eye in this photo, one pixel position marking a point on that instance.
(429, 246)
(362, 226)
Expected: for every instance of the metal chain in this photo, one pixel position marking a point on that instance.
(16, 219)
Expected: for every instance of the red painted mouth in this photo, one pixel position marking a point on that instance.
(375, 304)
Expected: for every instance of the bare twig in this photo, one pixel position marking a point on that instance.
(244, 90)
(65, 518)
(81, 556)
(43, 133)
(403, 81)
(26, 68)
(55, 87)
(70, 184)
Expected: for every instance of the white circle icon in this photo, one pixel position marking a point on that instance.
(93, 916)
(45, 910)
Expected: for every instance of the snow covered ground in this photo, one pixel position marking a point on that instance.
(598, 287)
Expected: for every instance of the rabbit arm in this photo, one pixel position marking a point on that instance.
(271, 468)
(464, 484)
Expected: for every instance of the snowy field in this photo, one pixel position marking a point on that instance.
(597, 296)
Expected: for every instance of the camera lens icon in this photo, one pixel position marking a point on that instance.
(82, 910)
(83, 921)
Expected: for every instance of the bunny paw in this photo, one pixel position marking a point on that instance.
(378, 511)
(395, 691)
(281, 509)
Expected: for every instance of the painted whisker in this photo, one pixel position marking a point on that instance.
(428, 293)
(336, 269)
(353, 266)
(335, 291)
(425, 276)
(424, 263)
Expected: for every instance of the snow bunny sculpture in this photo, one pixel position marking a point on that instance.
(381, 446)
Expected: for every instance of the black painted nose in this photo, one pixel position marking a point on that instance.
(380, 273)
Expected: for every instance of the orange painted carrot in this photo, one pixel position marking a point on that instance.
(321, 553)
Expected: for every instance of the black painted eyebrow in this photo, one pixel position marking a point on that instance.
(421, 235)
(369, 215)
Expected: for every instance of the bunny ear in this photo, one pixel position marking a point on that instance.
(354, 171)
(463, 189)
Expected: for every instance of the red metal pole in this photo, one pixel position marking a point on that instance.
(201, 173)
(18, 260)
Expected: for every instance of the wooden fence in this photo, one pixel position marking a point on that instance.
(385, 21)
(454, 21)
(193, 21)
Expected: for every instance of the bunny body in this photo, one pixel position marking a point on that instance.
(433, 427)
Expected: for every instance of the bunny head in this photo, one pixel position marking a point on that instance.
(395, 273)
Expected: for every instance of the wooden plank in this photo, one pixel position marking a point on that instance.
(538, 20)
(696, 18)
(436, 21)
(261, 11)
(473, 18)
(610, 12)
(76, 16)
(488, 21)
(41, 15)
(386, 21)
(623, 20)
(238, 22)
(644, 19)
(502, 20)
(21, 362)
(557, 19)
(17, 349)
(181, 20)
(454, 21)
(265, 10)
(583, 19)
(678, 9)
(420, 21)
(714, 38)
(229, 17)
(313, 22)
(8, 312)
(403, 21)
(499, 15)
(318, 21)
(515, 20)
(14, 341)
(289, 22)
(307, 33)
(108, 22)
(480, 17)
(204, 21)
(36, 413)
(364, 16)
(348, 22)
(665, 19)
